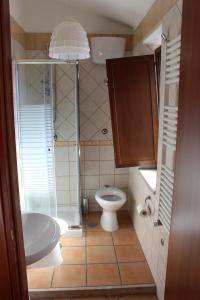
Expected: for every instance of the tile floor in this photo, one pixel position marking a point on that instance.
(97, 259)
(130, 297)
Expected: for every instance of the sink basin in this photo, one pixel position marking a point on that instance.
(41, 237)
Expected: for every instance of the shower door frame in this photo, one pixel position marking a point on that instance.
(18, 62)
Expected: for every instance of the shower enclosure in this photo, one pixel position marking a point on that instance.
(47, 138)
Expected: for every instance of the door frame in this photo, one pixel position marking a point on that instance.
(183, 267)
(13, 281)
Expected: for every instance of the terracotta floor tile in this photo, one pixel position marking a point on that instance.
(98, 239)
(103, 274)
(39, 278)
(60, 298)
(124, 217)
(69, 276)
(126, 225)
(93, 222)
(93, 217)
(91, 298)
(125, 237)
(125, 222)
(101, 254)
(139, 297)
(74, 255)
(135, 273)
(129, 253)
(73, 241)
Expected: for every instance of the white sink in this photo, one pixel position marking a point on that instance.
(41, 240)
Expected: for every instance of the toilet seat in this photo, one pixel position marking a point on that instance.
(111, 198)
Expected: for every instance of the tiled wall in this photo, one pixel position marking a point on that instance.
(150, 236)
(97, 155)
(65, 124)
(98, 169)
(66, 175)
(94, 102)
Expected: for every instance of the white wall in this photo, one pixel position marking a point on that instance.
(18, 52)
(17, 10)
(150, 236)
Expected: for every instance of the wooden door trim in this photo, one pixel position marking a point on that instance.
(183, 271)
(16, 285)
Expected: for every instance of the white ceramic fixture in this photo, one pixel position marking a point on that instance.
(62, 224)
(69, 42)
(41, 240)
(103, 48)
(110, 199)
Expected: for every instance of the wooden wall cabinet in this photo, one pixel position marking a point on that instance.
(133, 103)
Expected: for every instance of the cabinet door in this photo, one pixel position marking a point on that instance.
(133, 102)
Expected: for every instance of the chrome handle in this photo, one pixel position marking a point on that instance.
(157, 223)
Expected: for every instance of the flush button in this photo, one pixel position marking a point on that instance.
(162, 242)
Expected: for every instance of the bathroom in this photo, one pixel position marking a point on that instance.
(102, 177)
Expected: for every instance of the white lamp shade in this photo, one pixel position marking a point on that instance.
(69, 42)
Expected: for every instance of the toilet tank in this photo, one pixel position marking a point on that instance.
(103, 48)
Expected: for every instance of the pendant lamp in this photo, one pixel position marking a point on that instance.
(69, 42)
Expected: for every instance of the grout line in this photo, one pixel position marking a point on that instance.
(116, 259)
(86, 263)
(52, 278)
(99, 173)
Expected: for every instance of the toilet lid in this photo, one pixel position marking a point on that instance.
(111, 197)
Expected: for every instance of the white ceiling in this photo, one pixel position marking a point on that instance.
(99, 16)
(129, 12)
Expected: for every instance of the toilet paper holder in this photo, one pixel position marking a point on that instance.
(147, 199)
(147, 208)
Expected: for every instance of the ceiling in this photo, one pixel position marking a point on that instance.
(129, 12)
(99, 16)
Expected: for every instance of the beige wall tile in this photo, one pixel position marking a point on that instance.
(106, 153)
(92, 153)
(91, 182)
(91, 168)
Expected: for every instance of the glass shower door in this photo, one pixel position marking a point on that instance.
(47, 132)
(66, 128)
(35, 140)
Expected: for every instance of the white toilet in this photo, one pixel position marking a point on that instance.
(110, 199)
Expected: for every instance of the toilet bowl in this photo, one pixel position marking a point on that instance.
(110, 199)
